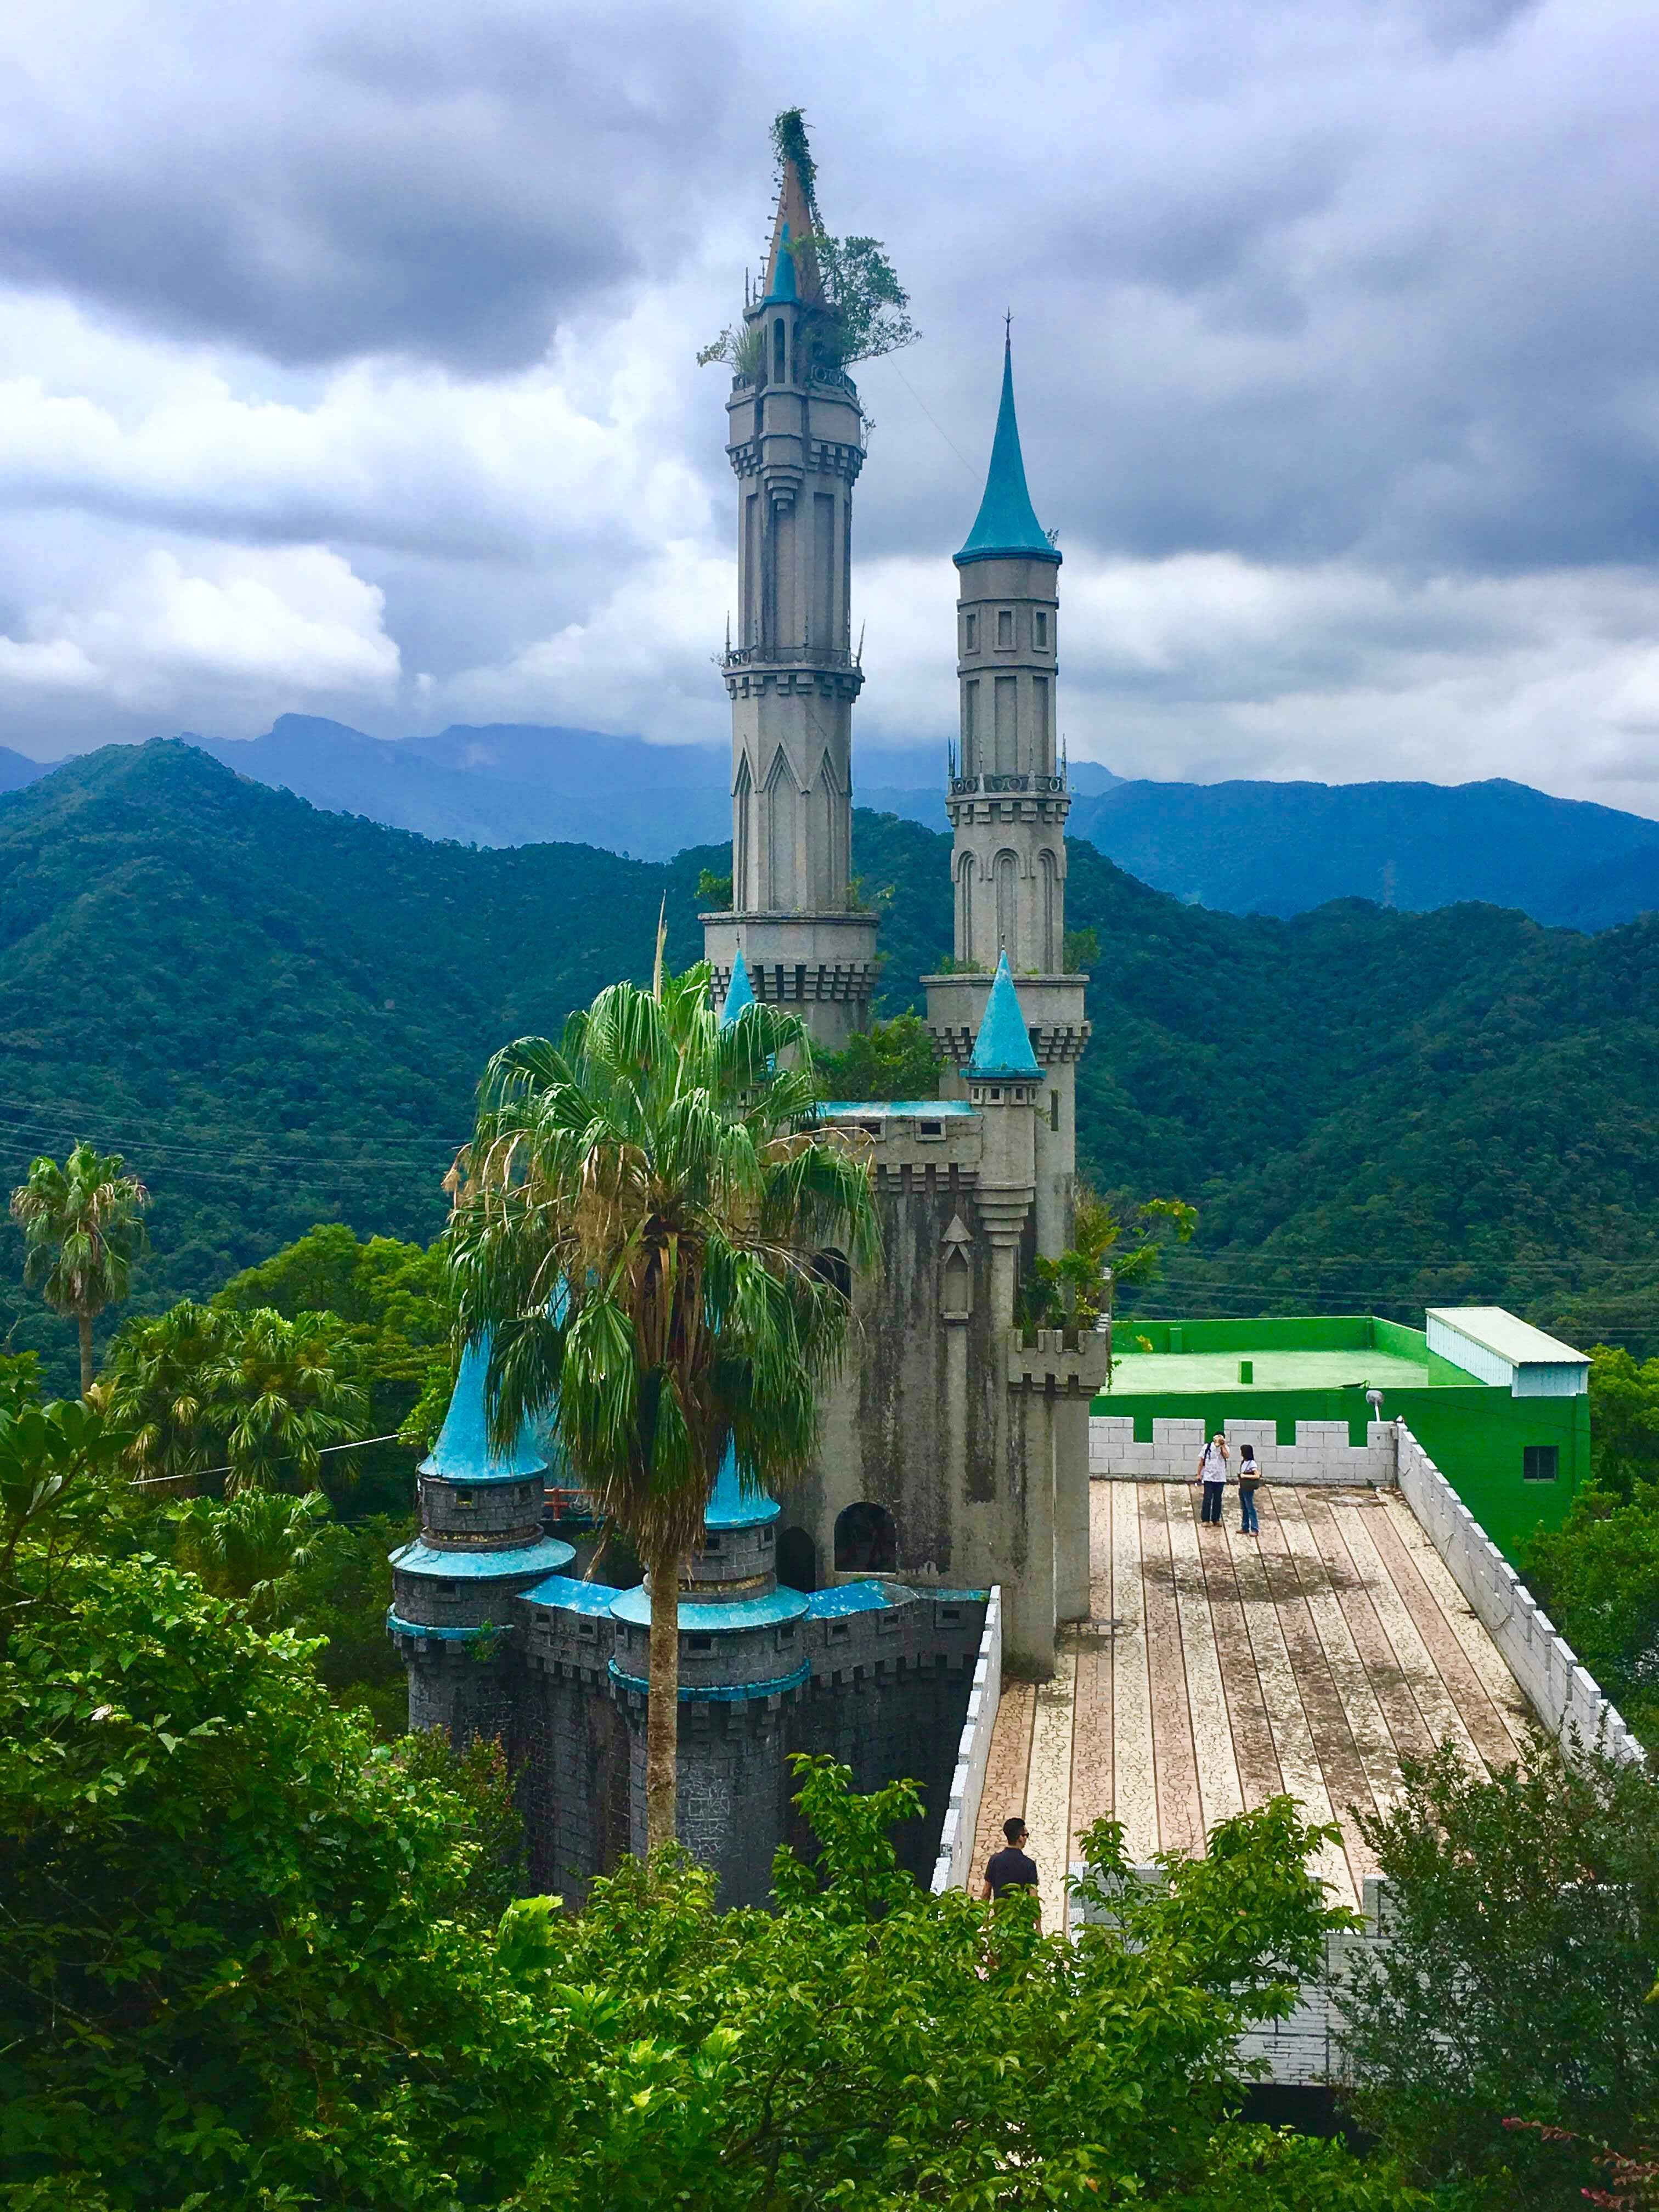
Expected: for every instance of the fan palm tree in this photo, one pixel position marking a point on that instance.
(280, 1393)
(637, 1218)
(82, 1233)
(154, 1385)
(249, 1547)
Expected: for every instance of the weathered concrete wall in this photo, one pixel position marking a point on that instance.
(953, 1867)
(571, 1774)
(1567, 1700)
(1322, 1452)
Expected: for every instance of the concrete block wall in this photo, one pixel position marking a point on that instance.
(1321, 1453)
(1567, 1700)
(953, 1868)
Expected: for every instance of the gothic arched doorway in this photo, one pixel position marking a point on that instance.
(866, 1542)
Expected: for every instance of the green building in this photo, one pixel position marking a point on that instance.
(1501, 1408)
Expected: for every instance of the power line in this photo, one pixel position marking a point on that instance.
(205, 1473)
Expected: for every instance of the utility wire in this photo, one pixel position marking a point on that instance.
(203, 1474)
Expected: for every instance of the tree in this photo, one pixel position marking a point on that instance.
(244, 1961)
(82, 1232)
(1078, 1288)
(393, 1303)
(865, 312)
(1624, 1419)
(1523, 1949)
(241, 1400)
(248, 1548)
(890, 1060)
(637, 1215)
(283, 1393)
(1597, 1576)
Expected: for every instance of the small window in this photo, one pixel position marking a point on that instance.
(700, 1643)
(1039, 620)
(711, 1543)
(971, 633)
(465, 1501)
(588, 1629)
(994, 1094)
(785, 1637)
(1053, 1109)
(449, 1589)
(1006, 628)
(930, 1128)
(948, 1613)
(766, 1538)
(1541, 1462)
(780, 365)
(839, 1630)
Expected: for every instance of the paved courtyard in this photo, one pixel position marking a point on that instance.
(1217, 1670)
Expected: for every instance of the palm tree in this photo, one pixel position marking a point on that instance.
(82, 1233)
(279, 1393)
(154, 1385)
(637, 1218)
(249, 1547)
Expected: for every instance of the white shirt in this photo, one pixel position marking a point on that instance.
(1215, 1466)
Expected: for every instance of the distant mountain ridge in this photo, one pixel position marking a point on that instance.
(1241, 846)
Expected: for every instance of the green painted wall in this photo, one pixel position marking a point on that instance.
(1475, 1432)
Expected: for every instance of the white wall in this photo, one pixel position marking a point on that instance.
(1321, 1453)
(1567, 1700)
(953, 1868)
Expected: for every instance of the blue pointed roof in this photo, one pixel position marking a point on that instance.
(464, 1452)
(1006, 527)
(1003, 1046)
(730, 1506)
(739, 992)
(783, 273)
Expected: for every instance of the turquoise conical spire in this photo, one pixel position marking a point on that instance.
(463, 1452)
(739, 992)
(1006, 527)
(730, 1506)
(1003, 1047)
(784, 285)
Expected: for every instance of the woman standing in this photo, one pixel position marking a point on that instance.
(1250, 1476)
(1212, 1477)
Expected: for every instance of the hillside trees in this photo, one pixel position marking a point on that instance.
(1518, 1980)
(83, 1230)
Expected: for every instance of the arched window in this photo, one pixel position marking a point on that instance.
(779, 357)
(965, 875)
(798, 1560)
(1051, 945)
(778, 892)
(866, 1542)
(1008, 907)
(830, 1266)
(743, 805)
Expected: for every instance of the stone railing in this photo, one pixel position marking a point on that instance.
(954, 1867)
(963, 786)
(1567, 1700)
(788, 656)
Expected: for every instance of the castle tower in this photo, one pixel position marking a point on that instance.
(481, 1545)
(796, 444)
(1007, 802)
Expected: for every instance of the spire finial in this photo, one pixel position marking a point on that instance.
(1006, 527)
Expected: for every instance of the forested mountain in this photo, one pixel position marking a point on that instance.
(279, 1015)
(1245, 848)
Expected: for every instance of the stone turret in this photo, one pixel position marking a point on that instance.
(1007, 802)
(796, 444)
(481, 1545)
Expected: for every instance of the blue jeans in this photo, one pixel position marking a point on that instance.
(1214, 1494)
(1247, 1524)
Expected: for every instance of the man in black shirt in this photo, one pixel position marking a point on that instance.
(1010, 1868)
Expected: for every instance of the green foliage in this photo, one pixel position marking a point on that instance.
(239, 1401)
(869, 2046)
(1082, 950)
(1623, 1420)
(1524, 1946)
(339, 1591)
(249, 1546)
(82, 1232)
(244, 1958)
(1597, 1576)
(714, 891)
(890, 1060)
(393, 1300)
(1077, 1288)
(477, 1778)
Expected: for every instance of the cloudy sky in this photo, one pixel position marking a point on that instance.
(348, 365)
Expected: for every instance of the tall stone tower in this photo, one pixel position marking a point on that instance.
(796, 444)
(1007, 802)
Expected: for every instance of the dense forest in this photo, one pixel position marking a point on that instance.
(278, 1017)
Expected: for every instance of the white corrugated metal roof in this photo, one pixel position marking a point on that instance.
(1510, 1337)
